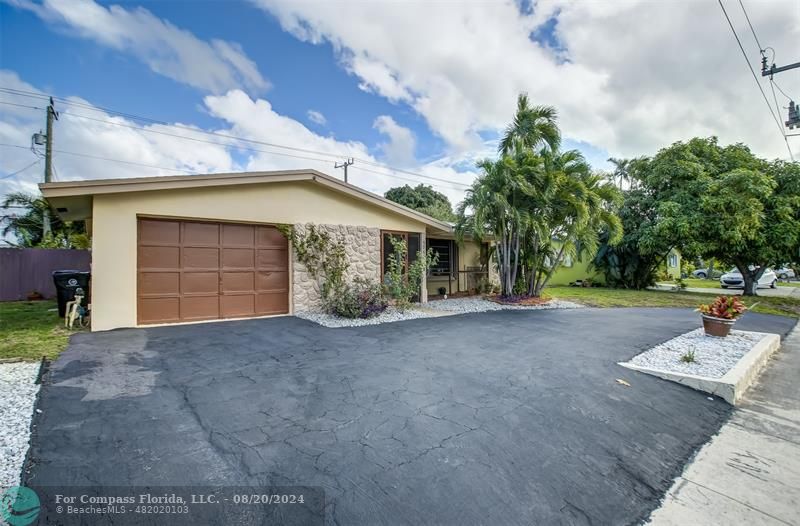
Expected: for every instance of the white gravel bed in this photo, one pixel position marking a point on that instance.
(713, 356)
(389, 315)
(17, 395)
(477, 304)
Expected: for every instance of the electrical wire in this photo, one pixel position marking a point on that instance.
(760, 49)
(779, 89)
(761, 89)
(78, 154)
(12, 174)
(132, 116)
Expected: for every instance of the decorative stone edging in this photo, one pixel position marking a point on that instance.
(732, 385)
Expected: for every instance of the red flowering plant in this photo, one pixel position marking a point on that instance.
(724, 307)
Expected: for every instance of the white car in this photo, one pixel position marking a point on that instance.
(733, 279)
(785, 273)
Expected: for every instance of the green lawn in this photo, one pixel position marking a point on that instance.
(601, 297)
(30, 330)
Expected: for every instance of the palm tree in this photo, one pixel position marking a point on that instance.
(24, 219)
(491, 207)
(578, 205)
(533, 127)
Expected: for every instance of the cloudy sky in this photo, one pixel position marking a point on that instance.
(414, 91)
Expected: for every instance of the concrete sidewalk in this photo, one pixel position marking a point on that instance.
(750, 472)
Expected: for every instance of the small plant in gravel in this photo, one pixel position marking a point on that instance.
(688, 357)
(724, 307)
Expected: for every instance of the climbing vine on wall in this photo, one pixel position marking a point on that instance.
(324, 258)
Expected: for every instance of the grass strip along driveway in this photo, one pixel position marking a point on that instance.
(602, 297)
(30, 330)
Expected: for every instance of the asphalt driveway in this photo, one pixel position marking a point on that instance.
(509, 417)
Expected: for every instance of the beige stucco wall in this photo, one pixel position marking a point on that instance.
(115, 228)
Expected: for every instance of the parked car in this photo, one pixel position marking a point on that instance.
(733, 279)
(702, 273)
(785, 273)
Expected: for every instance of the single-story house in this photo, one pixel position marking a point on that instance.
(206, 247)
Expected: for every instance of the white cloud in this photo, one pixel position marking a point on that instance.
(106, 136)
(115, 140)
(399, 150)
(633, 75)
(215, 66)
(316, 117)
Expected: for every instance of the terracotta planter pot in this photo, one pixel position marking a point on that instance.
(717, 326)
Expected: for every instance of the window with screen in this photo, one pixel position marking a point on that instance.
(444, 248)
(412, 244)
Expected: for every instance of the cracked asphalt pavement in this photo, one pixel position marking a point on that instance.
(507, 417)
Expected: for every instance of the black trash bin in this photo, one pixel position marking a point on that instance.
(66, 282)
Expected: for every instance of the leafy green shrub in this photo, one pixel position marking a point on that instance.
(404, 286)
(485, 286)
(361, 299)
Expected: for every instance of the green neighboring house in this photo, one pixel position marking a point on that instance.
(570, 271)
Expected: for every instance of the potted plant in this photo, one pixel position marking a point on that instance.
(719, 316)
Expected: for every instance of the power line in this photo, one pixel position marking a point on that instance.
(760, 49)
(316, 159)
(779, 89)
(97, 157)
(752, 71)
(12, 174)
(217, 134)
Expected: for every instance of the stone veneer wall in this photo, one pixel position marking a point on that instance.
(363, 249)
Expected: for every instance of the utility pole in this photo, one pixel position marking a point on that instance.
(770, 71)
(344, 165)
(48, 152)
(794, 109)
(52, 115)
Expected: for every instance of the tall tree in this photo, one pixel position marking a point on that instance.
(540, 204)
(24, 216)
(724, 203)
(491, 207)
(533, 128)
(423, 198)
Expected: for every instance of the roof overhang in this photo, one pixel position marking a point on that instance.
(73, 199)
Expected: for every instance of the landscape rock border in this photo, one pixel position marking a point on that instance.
(18, 393)
(733, 384)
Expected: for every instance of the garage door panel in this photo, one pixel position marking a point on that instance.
(238, 258)
(200, 283)
(238, 282)
(200, 258)
(237, 305)
(272, 259)
(159, 310)
(159, 258)
(159, 283)
(202, 270)
(238, 235)
(199, 307)
(272, 303)
(267, 237)
(156, 232)
(201, 234)
(272, 281)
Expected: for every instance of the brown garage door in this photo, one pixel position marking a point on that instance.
(197, 270)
